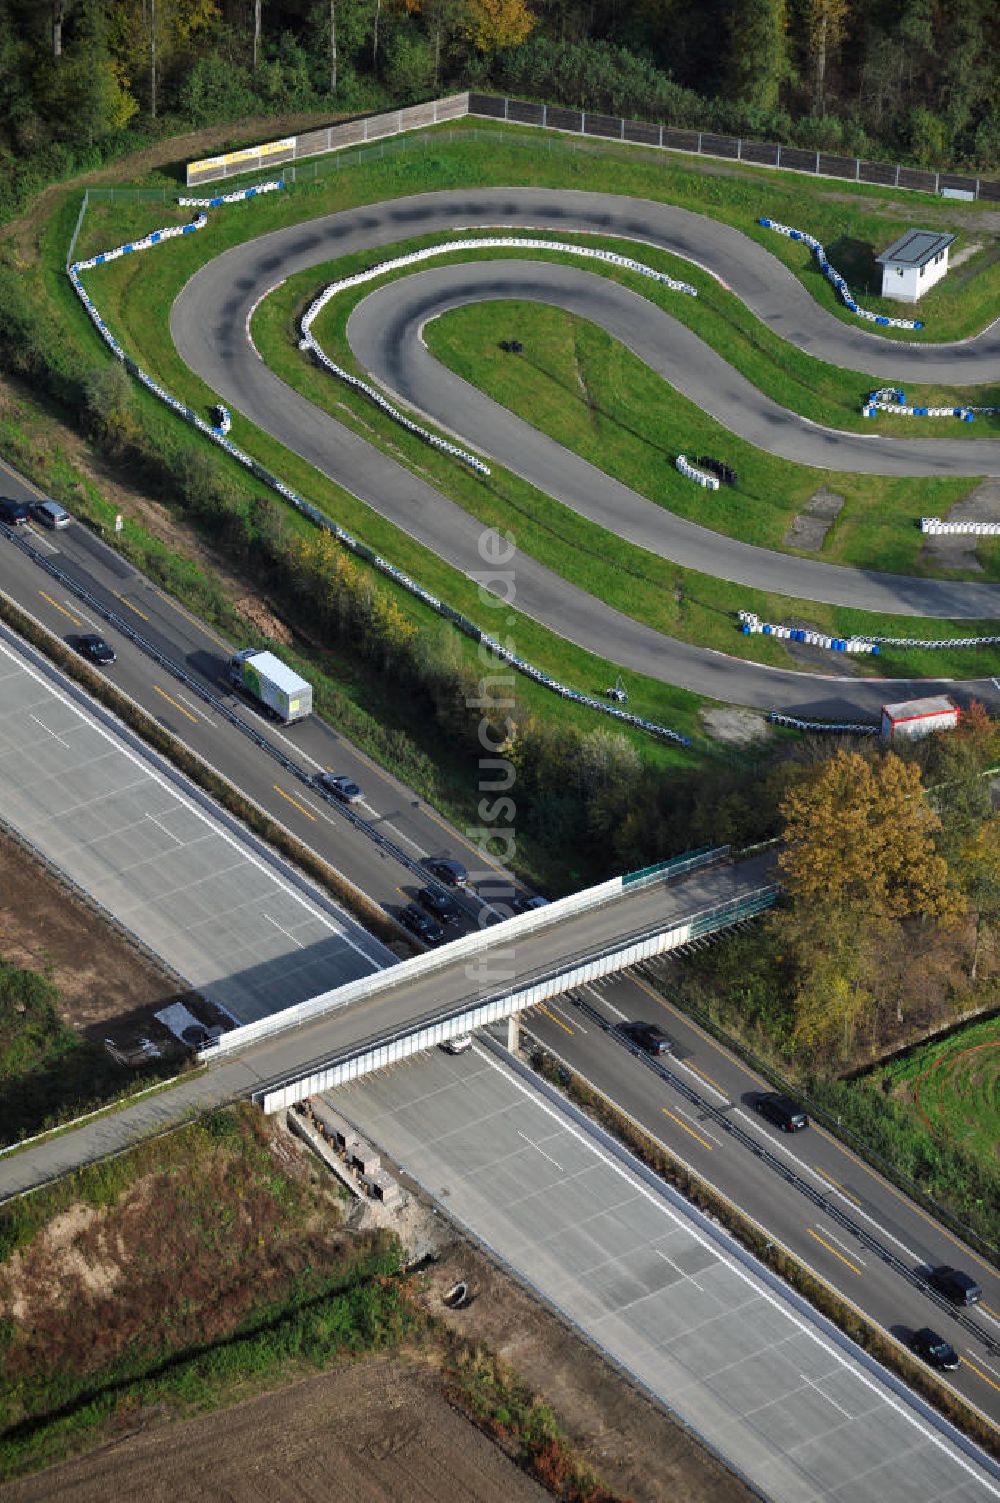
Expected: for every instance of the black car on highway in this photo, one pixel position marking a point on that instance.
(441, 904)
(14, 513)
(782, 1111)
(421, 924)
(935, 1350)
(648, 1037)
(451, 873)
(955, 1285)
(95, 649)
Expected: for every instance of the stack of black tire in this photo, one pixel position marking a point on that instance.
(717, 468)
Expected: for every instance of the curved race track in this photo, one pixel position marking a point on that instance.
(209, 325)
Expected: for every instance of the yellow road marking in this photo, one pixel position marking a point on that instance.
(62, 609)
(705, 1076)
(853, 1198)
(703, 1141)
(989, 1310)
(980, 1374)
(558, 1021)
(846, 1261)
(301, 807)
(164, 695)
(131, 606)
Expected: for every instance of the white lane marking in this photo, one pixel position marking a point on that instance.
(834, 1238)
(814, 1384)
(192, 704)
(705, 1084)
(41, 541)
(701, 1126)
(587, 987)
(754, 1281)
(281, 928)
(535, 1146)
(253, 310)
(676, 1269)
(162, 827)
(49, 732)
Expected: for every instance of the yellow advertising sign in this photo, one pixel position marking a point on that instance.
(248, 154)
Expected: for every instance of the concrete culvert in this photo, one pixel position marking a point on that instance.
(457, 1296)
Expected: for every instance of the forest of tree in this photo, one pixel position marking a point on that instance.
(916, 80)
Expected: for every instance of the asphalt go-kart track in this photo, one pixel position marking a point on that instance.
(211, 328)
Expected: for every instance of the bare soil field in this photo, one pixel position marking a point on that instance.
(107, 986)
(379, 1431)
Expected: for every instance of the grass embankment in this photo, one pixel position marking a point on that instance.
(206, 1266)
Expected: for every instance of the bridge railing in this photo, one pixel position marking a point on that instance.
(467, 947)
(425, 1033)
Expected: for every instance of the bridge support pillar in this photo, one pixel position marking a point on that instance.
(513, 1033)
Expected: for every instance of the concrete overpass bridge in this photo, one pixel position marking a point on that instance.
(478, 979)
(503, 970)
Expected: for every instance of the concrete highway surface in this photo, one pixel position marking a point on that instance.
(787, 1402)
(846, 1183)
(210, 327)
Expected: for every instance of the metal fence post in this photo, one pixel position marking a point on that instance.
(817, 164)
(661, 134)
(857, 169)
(506, 109)
(739, 148)
(699, 141)
(896, 184)
(623, 128)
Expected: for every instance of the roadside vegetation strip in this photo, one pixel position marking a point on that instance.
(763, 1246)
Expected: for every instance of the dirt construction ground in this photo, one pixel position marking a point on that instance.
(377, 1432)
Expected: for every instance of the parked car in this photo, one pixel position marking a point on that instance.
(14, 513)
(421, 924)
(441, 904)
(457, 1046)
(648, 1036)
(51, 514)
(782, 1111)
(451, 873)
(95, 649)
(955, 1285)
(340, 785)
(935, 1350)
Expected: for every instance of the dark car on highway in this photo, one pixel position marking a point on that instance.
(451, 873)
(955, 1285)
(340, 785)
(441, 904)
(421, 924)
(95, 649)
(935, 1350)
(782, 1111)
(647, 1036)
(14, 513)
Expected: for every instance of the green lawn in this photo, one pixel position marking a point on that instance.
(952, 1089)
(669, 598)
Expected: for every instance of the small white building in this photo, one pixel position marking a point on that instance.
(913, 263)
(911, 718)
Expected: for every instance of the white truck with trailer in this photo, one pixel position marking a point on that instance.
(266, 679)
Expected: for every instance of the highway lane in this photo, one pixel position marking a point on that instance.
(791, 1405)
(390, 808)
(847, 1184)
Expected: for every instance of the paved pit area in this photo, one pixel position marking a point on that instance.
(230, 919)
(799, 1417)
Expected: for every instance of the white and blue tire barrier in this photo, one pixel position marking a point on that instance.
(428, 252)
(891, 399)
(156, 237)
(700, 477)
(751, 625)
(232, 198)
(839, 727)
(937, 528)
(306, 508)
(224, 421)
(836, 280)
